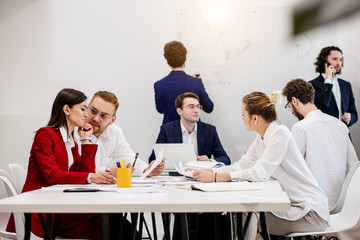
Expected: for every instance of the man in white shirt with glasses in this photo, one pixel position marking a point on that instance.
(323, 140)
(112, 145)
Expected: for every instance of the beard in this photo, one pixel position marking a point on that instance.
(298, 115)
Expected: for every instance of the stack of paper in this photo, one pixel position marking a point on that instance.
(204, 164)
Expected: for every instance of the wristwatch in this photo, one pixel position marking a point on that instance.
(85, 138)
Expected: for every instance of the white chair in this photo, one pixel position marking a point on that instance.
(8, 190)
(7, 175)
(349, 215)
(19, 175)
(340, 202)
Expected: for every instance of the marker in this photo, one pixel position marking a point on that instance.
(118, 164)
(122, 165)
(136, 156)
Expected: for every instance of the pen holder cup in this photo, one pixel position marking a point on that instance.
(123, 177)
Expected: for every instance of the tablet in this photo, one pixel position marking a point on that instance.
(175, 152)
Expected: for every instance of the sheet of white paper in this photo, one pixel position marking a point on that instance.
(181, 170)
(158, 160)
(138, 180)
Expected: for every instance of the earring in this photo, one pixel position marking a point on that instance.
(254, 123)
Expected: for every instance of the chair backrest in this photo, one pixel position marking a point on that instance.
(340, 203)
(350, 213)
(19, 176)
(7, 175)
(8, 190)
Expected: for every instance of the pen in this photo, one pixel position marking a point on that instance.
(136, 156)
(118, 164)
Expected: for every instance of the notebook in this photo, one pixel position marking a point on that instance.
(175, 152)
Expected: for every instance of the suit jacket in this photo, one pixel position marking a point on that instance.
(48, 165)
(325, 100)
(176, 83)
(207, 139)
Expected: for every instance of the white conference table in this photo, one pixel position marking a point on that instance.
(169, 199)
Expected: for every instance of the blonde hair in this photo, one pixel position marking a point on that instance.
(258, 103)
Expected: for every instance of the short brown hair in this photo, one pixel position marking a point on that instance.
(179, 101)
(175, 54)
(258, 103)
(300, 89)
(108, 97)
(322, 58)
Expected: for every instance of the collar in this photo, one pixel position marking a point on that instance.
(104, 134)
(68, 140)
(269, 131)
(183, 129)
(313, 112)
(177, 72)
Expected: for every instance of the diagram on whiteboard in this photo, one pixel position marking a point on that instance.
(220, 42)
(220, 48)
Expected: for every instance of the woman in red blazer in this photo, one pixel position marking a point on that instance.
(54, 159)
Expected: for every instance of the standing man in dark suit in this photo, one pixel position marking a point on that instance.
(189, 130)
(177, 82)
(333, 95)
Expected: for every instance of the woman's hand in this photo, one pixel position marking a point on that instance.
(86, 130)
(102, 178)
(204, 175)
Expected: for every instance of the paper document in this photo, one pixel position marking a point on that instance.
(225, 186)
(204, 164)
(156, 163)
(181, 170)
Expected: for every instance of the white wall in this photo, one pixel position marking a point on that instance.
(114, 45)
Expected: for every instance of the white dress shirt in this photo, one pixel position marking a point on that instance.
(277, 155)
(113, 147)
(69, 143)
(336, 91)
(325, 144)
(190, 137)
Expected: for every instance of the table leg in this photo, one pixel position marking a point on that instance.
(105, 220)
(141, 223)
(44, 226)
(154, 225)
(217, 226)
(264, 230)
(27, 226)
(134, 219)
(239, 221)
(184, 226)
(166, 224)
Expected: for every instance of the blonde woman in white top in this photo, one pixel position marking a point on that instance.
(275, 153)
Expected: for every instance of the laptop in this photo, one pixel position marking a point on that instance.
(175, 152)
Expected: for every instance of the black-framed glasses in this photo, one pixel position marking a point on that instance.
(287, 106)
(193, 106)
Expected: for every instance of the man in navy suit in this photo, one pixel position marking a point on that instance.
(190, 130)
(206, 143)
(333, 95)
(177, 82)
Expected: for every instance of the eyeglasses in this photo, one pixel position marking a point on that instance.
(287, 107)
(193, 106)
(103, 116)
